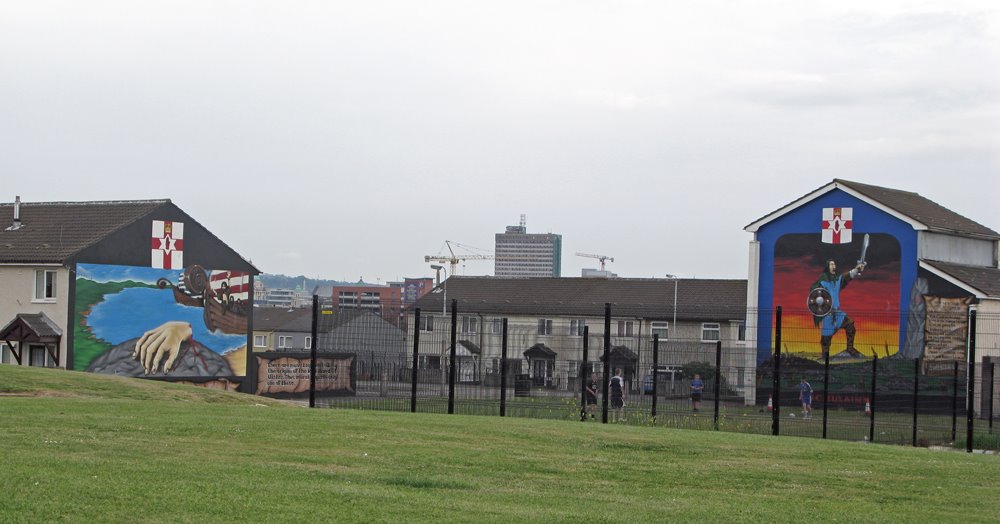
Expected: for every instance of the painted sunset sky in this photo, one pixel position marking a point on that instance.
(872, 300)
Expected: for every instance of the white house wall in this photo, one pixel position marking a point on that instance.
(956, 249)
(17, 289)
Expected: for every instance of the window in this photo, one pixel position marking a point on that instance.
(39, 356)
(659, 328)
(625, 328)
(576, 327)
(741, 329)
(284, 342)
(347, 299)
(497, 327)
(309, 342)
(427, 323)
(544, 326)
(470, 325)
(259, 341)
(428, 362)
(45, 285)
(710, 332)
(6, 355)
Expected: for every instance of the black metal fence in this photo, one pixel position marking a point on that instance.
(710, 377)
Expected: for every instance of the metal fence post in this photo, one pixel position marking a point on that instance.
(656, 368)
(871, 401)
(916, 392)
(452, 357)
(503, 370)
(954, 404)
(970, 396)
(416, 359)
(718, 382)
(584, 376)
(776, 383)
(607, 361)
(312, 353)
(993, 381)
(826, 388)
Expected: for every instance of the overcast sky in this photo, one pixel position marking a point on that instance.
(347, 139)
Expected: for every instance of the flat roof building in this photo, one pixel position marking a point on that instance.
(520, 254)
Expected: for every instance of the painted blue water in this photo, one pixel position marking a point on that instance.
(134, 311)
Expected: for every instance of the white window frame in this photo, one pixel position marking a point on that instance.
(6, 354)
(427, 323)
(260, 341)
(660, 327)
(41, 284)
(576, 326)
(285, 341)
(309, 342)
(626, 328)
(707, 327)
(545, 326)
(496, 326)
(470, 324)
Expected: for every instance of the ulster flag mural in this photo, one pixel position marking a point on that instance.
(837, 225)
(168, 244)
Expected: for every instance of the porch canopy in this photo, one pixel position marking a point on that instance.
(539, 351)
(32, 328)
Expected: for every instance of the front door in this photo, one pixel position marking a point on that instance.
(542, 372)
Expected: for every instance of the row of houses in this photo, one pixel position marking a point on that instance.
(141, 288)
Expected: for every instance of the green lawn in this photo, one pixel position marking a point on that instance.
(81, 447)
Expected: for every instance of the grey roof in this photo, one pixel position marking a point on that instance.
(917, 208)
(470, 346)
(39, 325)
(282, 319)
(539, 350)
(52, 232)
(983, 279)
(697, 299)
(932, 214)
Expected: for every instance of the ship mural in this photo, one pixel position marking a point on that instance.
(189, 323)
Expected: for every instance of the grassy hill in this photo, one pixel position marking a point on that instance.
(82, 447)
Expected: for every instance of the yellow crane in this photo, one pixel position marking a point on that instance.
(454, 259)
(602, 258)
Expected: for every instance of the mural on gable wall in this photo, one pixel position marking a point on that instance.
(854, 288)
(161, 322)
(839, 290)
(832, 300)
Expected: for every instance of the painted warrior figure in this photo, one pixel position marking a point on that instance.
(836, 318)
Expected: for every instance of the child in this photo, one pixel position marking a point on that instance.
(617, 393)
(805, 395)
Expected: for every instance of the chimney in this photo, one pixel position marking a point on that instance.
(17, 215)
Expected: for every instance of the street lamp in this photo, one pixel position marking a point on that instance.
(674, 323)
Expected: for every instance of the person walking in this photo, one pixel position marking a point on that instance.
(616, 389)
(805, 396)
(697, 388)
(591, 395)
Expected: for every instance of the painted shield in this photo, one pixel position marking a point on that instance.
(820, 302)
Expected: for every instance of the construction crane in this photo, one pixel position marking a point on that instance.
(602, 258)
(454, 259)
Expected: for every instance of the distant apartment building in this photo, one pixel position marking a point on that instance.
(520, 254)
(413, 288)
(385, 301)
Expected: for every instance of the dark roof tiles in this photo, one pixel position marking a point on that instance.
(704, 299)
(51, 232)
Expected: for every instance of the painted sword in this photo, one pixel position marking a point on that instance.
(864, 251)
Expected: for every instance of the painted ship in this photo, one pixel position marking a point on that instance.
(224, 295)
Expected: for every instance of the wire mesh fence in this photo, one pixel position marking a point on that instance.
(858, 385)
